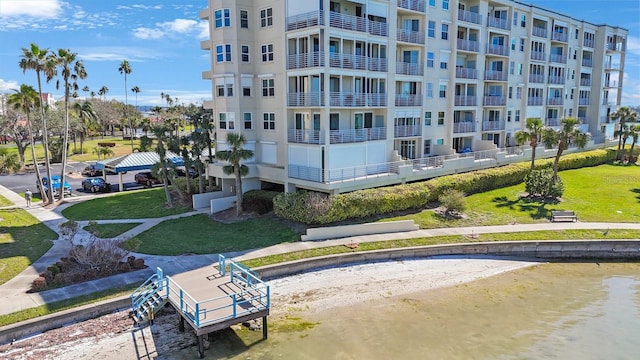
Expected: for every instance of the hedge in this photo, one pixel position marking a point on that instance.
(317, 208)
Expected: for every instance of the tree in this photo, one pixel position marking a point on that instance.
(103, 92)
(634, 134)
(88, 119)
(42, 63)
(163, 169)
(23, 102)
(532, 135)
(125, 69)
(9, 161)
(623, 115)
(568, 134)
(136, 90)
(86, 90)
(234, 154)
(71, 69)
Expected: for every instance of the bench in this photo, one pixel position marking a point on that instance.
(563, 216)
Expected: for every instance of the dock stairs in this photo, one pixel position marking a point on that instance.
(149, 298)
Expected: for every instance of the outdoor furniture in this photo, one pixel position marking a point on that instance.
(565, 215)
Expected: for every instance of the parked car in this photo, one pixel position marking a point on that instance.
(95, 184)
(55, 185)
(146, 178)
(91, 171)
(182, 171)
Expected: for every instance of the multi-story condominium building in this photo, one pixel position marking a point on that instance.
(340, 95)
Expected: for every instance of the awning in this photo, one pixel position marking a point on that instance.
(137, 161)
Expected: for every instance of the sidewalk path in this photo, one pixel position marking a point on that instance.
(14, 296)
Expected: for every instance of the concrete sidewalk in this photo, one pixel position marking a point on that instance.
(14, 296)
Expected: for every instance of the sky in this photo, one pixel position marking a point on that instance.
(161, 40)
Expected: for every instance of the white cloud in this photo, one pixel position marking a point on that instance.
(179, 25)
(146, 33)
(116, 53)
(6, 86)
(34, 8)
(171, 28)
(633, 45)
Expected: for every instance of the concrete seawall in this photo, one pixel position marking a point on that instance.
(588, 250)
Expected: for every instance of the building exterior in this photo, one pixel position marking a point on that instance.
(341, 95)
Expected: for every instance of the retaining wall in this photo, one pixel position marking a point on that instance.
(336, 232)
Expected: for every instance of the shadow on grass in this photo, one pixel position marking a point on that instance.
(637, 192)
(535, 207)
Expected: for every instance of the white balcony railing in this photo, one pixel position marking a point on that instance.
(469, 16)
(495, 75)
(492, 125)
(538, 55)
(464, 127)
(466, 73)
(498, 23)
(462, 100)
(407, 130)
(497, 50)
(301, 21)
(305, 60)
(535, 101)
(494, 101)
(539, 32)
(305, 99)
(468, 45)
(408, 100)
(415, 37)
(415, 5)
(562, 59)
(536, 78)
(409, 68)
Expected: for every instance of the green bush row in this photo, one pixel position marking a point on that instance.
(259, 201)
(316, 208)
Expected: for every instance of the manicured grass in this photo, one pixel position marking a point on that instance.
(108, 231)
(199, 234)
(23, 240)
(140, 204)
(5, 202)
(606, 193)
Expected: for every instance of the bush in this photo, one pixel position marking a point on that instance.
(540, 183)
(259, 201)
(107, 144)
(40, 283)
(452, 201)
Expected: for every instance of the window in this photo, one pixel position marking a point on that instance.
(508, 115)
(269, 121)
(444, 60)
(334, 121)
(510, 92)
(517, 115)
(442, 93)
(229, 89)
(519, 69)
(523, 20)
(575, 54)
(521, 44)
(513, 43)
(429, 90)
(268, 87)
(440, 117)
(220, 90)
(430, 59)
(244, 53)
(427, 118)
(226, 121)
(244, 19)
(222, 18)
(440, 141)
(515, 18)
(266, 17)
(512, 67)
(577, 33)
(432, 2)
(445, 4)
(223, 53)
(445, 32)
(572, 90)
(518, 93)
(427, 147)
(248, 124)
(431, 29)
(267, 52)
(246, 91)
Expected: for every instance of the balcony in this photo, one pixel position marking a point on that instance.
(538, 55)
(207, 75)
(556, 58)
(409, 36)
(587, 62)
(584, 101)
(464, 127)
(469, 16)
(494, 100)
(409, 68)
(308, 60)
(414, 5)
(495, 75)
(615, 46)
(203, 14)
(558, 80)
(611, 83)
(559, 36)
(302, 21)
(354, 99)
(492, 125)
(407, 130)
(552, 122)
(466, 73)
(494, 49)
(347, 61)
(356, 23)
(585, 82)
(612, 65)
(534, 101)
(463, 100)
(205, 45)
(589, 43)
(498, 23)
(539, 32)
(468, 45)
(555, 101)
(408, 100)
(536, 78)
(305, 99)
(305, 136)
(357, 135)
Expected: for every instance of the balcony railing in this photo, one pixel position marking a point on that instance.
(535, 101)
(585, 82)
(301, 21)
(494, 101)
(495, 75)
(464, 127)
(587, 62)
(555, 101)
(463, 100)
(407, 130)
(347, 61)
(539, 32)
(612, 65)
(409, 68)
(469, 45)
(305, 136)
(305, 99)
(357, 135)
(589, 43)
(308, 60)
(492, 125)
(408, 100)
(466, 73)
(376, 99)
(611, 83)
(469, 16)
(556, 79)
(415, 37)
(615, 46)
(536, 78)
(356, 23)
(559, 36)
(552, 122)
(584, 101)
(562, 59)
(538, 55)
(415, 5)
(497, 50)
(349, 99)
(498, 23)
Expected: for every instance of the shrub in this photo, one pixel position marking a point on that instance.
(452, 201)
(39, 283)
(107, 144)
(259, 201)
(540, 183)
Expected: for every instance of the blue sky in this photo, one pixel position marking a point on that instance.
(161, 40)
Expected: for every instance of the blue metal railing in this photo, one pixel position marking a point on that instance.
(148, 289)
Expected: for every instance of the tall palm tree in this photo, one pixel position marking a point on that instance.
(103, 92)
(568, 134)
(634, 134)
(9, 161)
(125, 69)
(136, 90)
(623, 115)
(234, 154)
(86, 90)
(42, 63)
(532, 135)
(161, 148)
(25, 100)
(87, 117)
(162, 98)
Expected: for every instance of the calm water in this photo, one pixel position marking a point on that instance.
(551, 311)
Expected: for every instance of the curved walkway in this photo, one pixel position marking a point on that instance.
(14, 296)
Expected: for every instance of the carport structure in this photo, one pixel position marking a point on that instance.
(135, 161)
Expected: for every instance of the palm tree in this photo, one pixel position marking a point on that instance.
(623, 115)
(93, 94)
(125, 69)
(86, 90)
(634, 134)
(161, 148)
(71, 69)
(9, 161)
(234, 154)
(568, 134)
(87, 117)
(26, 99)
(136, 90)
(41, 62)
(103, 92)
(532, 135)
(162, 98)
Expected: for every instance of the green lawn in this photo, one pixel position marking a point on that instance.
(108, 231)
(5, 202)
(23, 240)
(199, 234)
(606, 193)
(139, 204)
